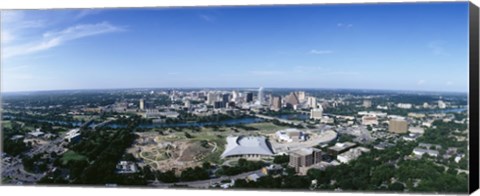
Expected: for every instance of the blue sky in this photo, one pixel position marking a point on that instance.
(362, 46)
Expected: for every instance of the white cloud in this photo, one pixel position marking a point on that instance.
(313, 51)
(56, 38)
(421, 82)
(343, 25)
(207, 18)
(87, 12)
(266, 73)
(437, 48)
(449, 83)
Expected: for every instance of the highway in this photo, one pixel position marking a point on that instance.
(205, 183)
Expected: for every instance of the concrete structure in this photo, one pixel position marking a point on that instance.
(260, 96)
(369, 120)
(249, 97)
(312, 102)
(351, 154)
(277, 103)
(340, 148)
(211, 98)
(142, 104)
(225, 98)
(404, 105)
(421, 151)
(247, 146)
(417, 130)
(398, 126)
(301, 96)
(126, 167)
(316, 113)
(36, 133)
(292, 100)
(441, 104)
(304, 157)
(73, 135)
(290, 135)
(219, 104)
(415, 115)
(367, 103)
(187, 104)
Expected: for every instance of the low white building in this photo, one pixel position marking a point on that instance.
(352, 154)
(73, 135)
(404, 105)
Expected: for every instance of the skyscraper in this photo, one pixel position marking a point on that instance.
(142, 104)
(260, 96)
(367, 103)
(249, 97)
(211, 98)
(316, 113)
(312, 102)
(292, 100)
(277, 103)
(225, 98)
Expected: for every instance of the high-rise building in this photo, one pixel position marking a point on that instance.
(316, 113)
(277, 103)
(219, 104)
(301, 96)
(142, 104)
(291, 100)
(441, 104)
(249, 97)
(260, 95)
(398, 126)
(226, 98)
(425, 105)
(367, 103)
(188, 104)
(211, 98)
(312, 102)
(304, 157)
(235, 95)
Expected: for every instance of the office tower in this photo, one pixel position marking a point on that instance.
(291, 100)
(211, 98)
(304, 157)
(219, 104)
(277, 103)
(249, 97)
(316, 113)
(188, 104)
(260, 96)
(301, 96)
(441, 104)
(312, 102)
(142, 104)
(367, 103)
(225, 98)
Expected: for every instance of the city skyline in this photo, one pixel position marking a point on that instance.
(417, 47)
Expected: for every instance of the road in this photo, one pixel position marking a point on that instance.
(205, 183)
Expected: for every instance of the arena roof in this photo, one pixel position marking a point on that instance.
(247, 145)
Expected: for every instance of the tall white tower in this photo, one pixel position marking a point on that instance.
(260, 96)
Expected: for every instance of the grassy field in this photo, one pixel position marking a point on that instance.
(6, 124)
(71, 156)
(267, 127)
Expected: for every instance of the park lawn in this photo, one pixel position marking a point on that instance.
(71, 156)
(267, 127)
(7, 124)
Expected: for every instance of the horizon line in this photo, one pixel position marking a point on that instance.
(307, 88)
